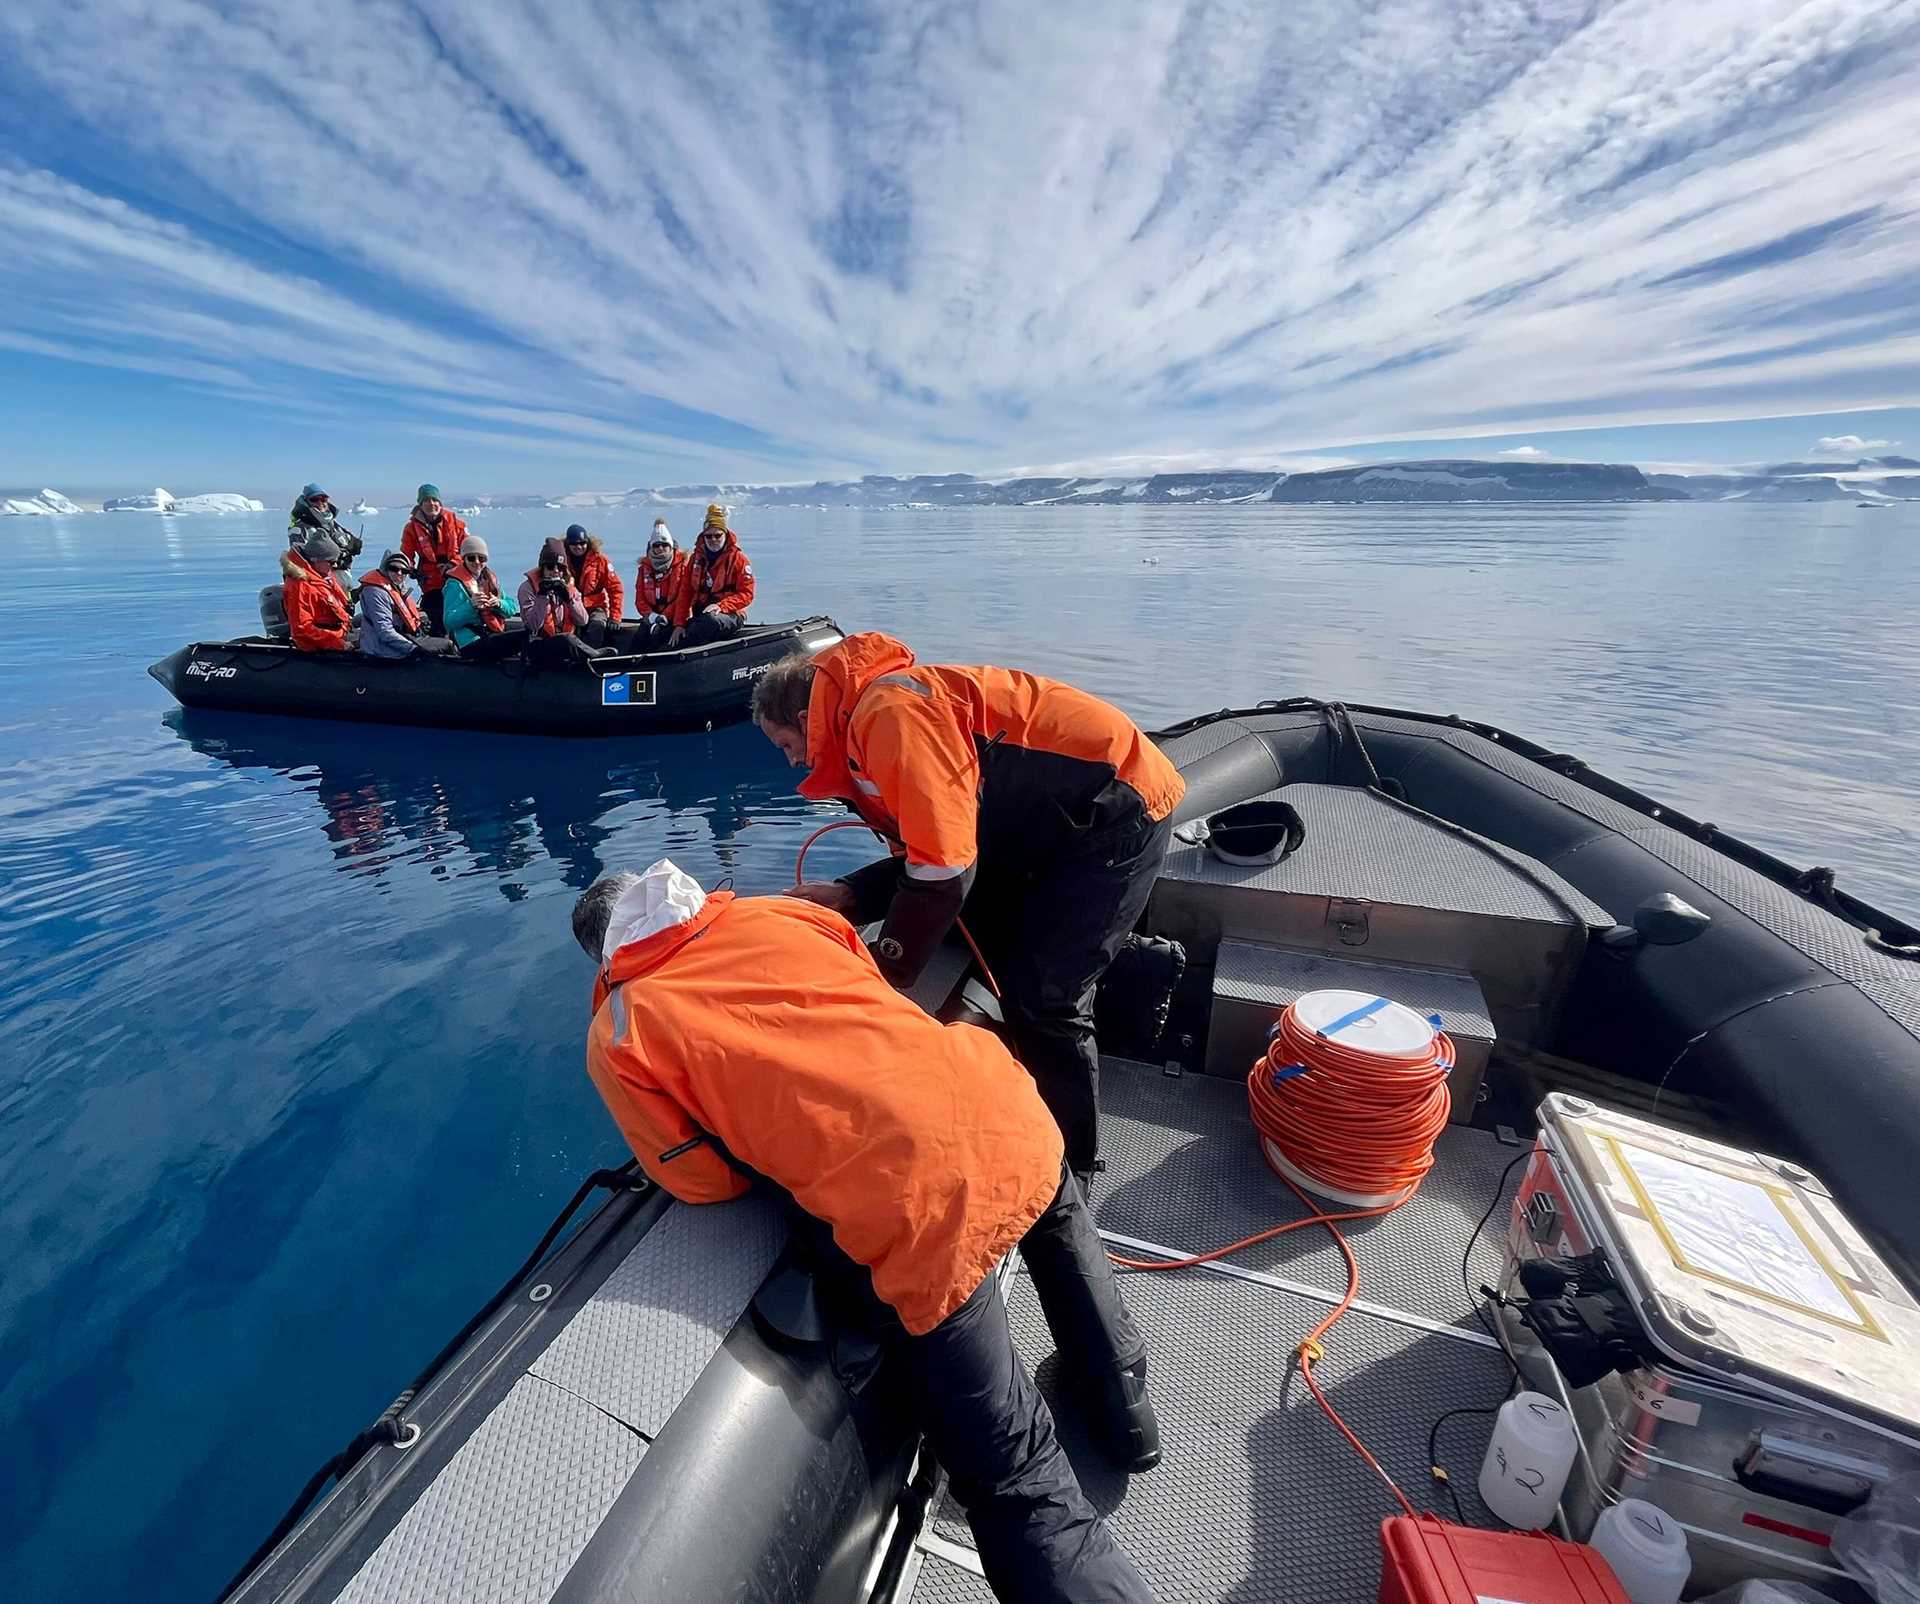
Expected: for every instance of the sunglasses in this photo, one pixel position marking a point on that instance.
(397, 571)
(659, 545)
(475, 560)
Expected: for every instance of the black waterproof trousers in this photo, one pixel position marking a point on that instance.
(1040, 1541)
(508, 642)
(560, 651)
(651, 634)
(704, 628)
(434, 604)
(1049, 936)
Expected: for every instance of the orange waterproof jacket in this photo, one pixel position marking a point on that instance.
(963, 764)
(665, 594)
(435, 548)
(725, 581)
(318, 611)
(599, 586)
(763, 1022)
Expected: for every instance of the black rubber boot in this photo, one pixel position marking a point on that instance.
(1131, 1428)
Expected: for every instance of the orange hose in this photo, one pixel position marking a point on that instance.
(1357, 1121)
(799, 877)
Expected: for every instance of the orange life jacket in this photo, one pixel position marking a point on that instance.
(318, 611)
(654, 592)
(405, 614)
(764, 1023)
(435, 549)
(558, 620)
(599, 586)
(957, 764)
(489, 617)
(724, 580)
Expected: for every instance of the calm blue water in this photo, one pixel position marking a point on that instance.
(292, 1018)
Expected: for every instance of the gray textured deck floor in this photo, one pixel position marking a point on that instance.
(1257, 1497)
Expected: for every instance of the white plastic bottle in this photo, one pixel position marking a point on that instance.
(1527, 1461)
(1646, 1548)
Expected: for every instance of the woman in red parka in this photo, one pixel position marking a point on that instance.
(599, 586)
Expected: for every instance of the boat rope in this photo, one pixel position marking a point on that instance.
(799, 876)
(1817, 886)
(1343, 730)
(392, 1427)
(1360, 1123)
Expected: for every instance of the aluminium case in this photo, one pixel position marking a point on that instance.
(1788, 1379)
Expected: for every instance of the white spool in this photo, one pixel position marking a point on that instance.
(1391, 1029)
(1384, 1027)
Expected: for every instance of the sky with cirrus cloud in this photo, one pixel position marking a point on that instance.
(546, 245)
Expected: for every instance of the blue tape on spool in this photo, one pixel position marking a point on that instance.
(1360, 1013)
(1287, 1072)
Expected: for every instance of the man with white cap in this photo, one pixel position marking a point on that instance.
(752, 1040)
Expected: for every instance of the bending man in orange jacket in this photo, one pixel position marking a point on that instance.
(735, 1038)
(1042, 809)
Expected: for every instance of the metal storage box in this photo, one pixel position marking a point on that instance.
(1252, 984)
(1783, 1375)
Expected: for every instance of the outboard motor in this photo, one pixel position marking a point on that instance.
(273, 612)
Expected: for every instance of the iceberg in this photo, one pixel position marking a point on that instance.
(209, 501)
(218, 501)
(158, 501)
(48, 504)
(360, 510)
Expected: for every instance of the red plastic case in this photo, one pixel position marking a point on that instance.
(1431, 1561)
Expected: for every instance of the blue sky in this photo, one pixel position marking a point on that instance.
(560, 245)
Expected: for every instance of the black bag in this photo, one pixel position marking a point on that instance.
(1130, 1008)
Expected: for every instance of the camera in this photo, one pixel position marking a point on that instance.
(553, 584)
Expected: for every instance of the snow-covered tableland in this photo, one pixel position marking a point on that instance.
(48, 504)
(161, 501)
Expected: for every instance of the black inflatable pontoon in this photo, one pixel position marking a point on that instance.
(643, 1418)
(690, 688)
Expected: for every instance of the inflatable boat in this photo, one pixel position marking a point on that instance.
(651, 1409)
(688, 688)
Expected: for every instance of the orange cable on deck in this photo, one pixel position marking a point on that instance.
(1357, 1122)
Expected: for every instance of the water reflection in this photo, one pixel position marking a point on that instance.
(496, 806)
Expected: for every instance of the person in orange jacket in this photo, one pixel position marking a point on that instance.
(719, 584)
(1041, 809)
(432, 539)
(599, 586)
(319, 611)
(738, 1040)
(659, 591)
